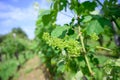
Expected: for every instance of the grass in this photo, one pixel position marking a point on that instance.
(8, 68)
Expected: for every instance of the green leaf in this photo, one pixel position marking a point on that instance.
(90, 6)
(94, 27)
(74, 36)
(86, 7)
(87, 18)
(99, 74)
(44, 12)
(117, 62)
(70, 32)
(103, 21)
(48, 16)
(53, 61)
(59, 30)
(98, 25)
(46, 19)
(61, 66)
(78, 76)
(96, 61)
(41, 16)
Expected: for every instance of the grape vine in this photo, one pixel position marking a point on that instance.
(83, 49)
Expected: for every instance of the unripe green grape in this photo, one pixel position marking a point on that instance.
(94, 36)
(72, 46)
(56, 42)
(46, 36)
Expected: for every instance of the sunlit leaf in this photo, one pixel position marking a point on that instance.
(78, 76)
(94, 27)
(58, 31)
(87, 18)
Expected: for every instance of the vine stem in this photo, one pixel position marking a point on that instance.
(84, 50)
(99, 47)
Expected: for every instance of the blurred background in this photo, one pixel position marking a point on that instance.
(20, 13)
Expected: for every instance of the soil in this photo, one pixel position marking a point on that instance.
(32, 70)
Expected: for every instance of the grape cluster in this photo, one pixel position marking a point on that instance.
(54, 42)
(71, 46)
(94, 36)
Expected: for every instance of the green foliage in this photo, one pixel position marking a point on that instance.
(8, 69)
(112, 9)
(10, 46)
(94, 27)
(20, 32)
(81, 50)
(82, 8)
(59, 31)
(2, 37)
(15, 50)
(87, 18)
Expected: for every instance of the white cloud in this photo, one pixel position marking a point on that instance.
(19, 14)
(11, 16)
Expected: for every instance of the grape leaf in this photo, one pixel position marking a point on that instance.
(78, 76)
(42, 17)
(117, 62)
(97, 25)
(103, 21)
(44, 12)
(94, 27)
(46, 19)
(61, 66)
(86, 7)
(58, 31)
(49, 16)
(87, 18)
(70, 32)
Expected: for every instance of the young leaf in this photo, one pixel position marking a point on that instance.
(87, 18)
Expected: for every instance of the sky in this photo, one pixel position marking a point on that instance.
(19, 13)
